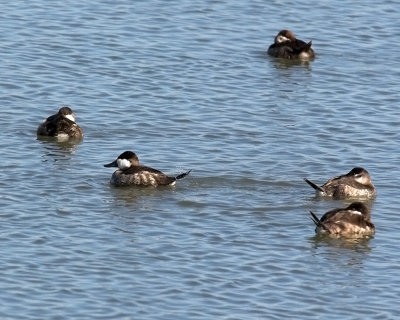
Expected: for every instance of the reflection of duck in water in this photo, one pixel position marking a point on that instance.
(353, 221)
(288, 47)
(130, 172)
(355, 184)
(61, 125)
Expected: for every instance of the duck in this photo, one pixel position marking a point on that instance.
(287, 46)
(61, 125)
(352, 221)
(131, 172)
(354, 184)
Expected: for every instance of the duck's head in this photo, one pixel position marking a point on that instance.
(67, 113)
(284, 36)
(124, 161)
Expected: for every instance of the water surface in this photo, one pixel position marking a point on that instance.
(188, 86)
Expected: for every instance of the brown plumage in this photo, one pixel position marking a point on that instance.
(61, 125)
(130, 172)
(352, 221)
(355, 184)
(287, 46)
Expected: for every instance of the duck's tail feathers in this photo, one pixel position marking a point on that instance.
(313, 185)
(182, 175)
(318, 222)
(307, 46)
(315, 219)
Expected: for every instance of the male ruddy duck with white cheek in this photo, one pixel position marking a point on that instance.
(61, 125)
(130, 172)
(288, 47)
(353, 221)
(355, 184)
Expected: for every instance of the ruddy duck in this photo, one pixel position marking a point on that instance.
(61, 125)
(130, 172)
(355, 184)
(288, 47)
(355, 220)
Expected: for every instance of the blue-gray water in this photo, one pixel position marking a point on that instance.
(187, 85)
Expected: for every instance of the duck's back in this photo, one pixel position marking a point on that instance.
(141, 176)
(296, 49)
(343, 187)
(56, 125)
(344, 222)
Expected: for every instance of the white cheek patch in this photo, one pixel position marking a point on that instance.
(356, 212)
(123, 164)
(281, 39)
(70, 117)
(362, 180)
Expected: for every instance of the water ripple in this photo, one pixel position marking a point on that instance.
(189, 86)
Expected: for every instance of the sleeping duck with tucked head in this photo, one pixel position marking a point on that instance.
(61, 125)
(130, 172)
(286, 46)
(354, 184)
(352, 221)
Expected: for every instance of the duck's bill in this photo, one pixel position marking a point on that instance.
(112, 164)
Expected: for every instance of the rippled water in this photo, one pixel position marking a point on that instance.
(187, 85)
